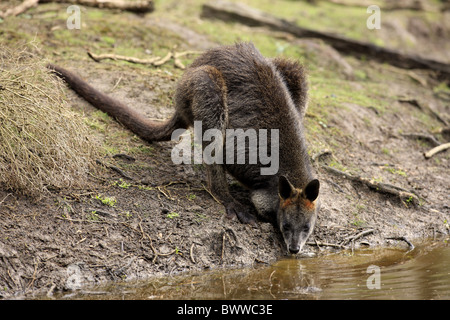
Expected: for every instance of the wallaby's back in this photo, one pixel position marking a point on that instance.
(258, 97)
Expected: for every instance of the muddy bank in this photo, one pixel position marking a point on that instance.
(152, 217)
(164, 222)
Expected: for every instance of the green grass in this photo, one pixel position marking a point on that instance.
(399, 172)
(173, 215)
(107, 201)
(122, 184)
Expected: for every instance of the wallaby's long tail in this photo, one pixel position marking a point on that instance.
(146, 129)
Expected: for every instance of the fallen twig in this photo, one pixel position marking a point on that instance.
(324, 244)
(145, 235)
(160, 61)
(211, 194)
(5, 198)
(99, 57)
(437, 149)
(140, 6)
(86, 221)
(154, 61)
(191, 253)
(403, 194)
(114, 168)
(357, 236)
(162, 189)
(24, 6)
(33, 277)
(223, 245)
(388, 6)
(186, 53)
(50, 291)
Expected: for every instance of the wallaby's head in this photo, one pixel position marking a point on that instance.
(297, 212)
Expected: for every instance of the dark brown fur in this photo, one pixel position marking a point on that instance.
(234, 87)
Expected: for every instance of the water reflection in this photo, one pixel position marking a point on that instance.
(423, 273)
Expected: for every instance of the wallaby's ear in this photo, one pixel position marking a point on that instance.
(311, 191)
(285, 188)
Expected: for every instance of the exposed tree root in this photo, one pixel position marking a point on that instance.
(404, 195)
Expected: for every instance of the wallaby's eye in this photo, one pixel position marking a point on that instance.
(286, 226)
(306, 227)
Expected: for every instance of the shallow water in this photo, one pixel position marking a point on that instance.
(423, 273)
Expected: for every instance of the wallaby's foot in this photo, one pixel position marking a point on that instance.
(235, 209)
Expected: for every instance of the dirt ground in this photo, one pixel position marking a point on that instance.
(154, 218)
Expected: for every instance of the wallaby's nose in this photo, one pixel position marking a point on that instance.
(294, 250)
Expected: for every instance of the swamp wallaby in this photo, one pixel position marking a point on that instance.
(235, 87)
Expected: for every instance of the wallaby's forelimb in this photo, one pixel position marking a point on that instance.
(202, 91)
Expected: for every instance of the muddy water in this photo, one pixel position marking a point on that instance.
(423, 273)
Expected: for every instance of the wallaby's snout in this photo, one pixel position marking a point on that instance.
(294, 250)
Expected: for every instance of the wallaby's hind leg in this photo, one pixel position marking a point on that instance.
(202, 96)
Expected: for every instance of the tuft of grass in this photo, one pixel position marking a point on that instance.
(93, 216)
(399, 172)
(191, 197)
(122, 184)
(107, 201)
(172, 215)
(44, 145)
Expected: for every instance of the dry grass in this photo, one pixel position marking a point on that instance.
(43, 144)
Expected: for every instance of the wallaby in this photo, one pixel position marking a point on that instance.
(232, 87)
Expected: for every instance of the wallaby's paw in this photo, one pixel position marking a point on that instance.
(235, 209)
(230, 211)
(246, 217)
